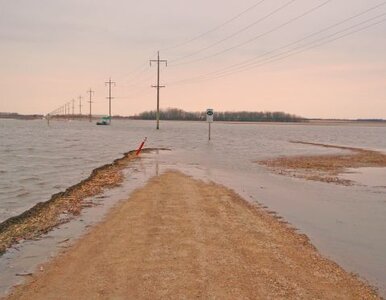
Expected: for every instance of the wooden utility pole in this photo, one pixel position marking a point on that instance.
(90, 92)
(80, 105)
(110, 83)
(158, 86)
(73, 111)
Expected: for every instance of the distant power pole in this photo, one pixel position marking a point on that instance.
(80, 105)
(90, 92)
(110, 83)
(73, 101)
(158, 61)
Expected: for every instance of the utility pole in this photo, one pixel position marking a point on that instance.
(80, 105)
(73, 101)
(158, 61)
(90, 92)
(110, 83)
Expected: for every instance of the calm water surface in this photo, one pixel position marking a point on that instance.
(345, 223)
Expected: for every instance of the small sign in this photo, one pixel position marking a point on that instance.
(209, 115)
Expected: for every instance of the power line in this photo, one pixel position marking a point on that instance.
(281, 56)
(136, 83)
(143, 67)
(215, 28)
(307, 12)
(135, 94)
(249, 61)
(237, 32)
(317, 43)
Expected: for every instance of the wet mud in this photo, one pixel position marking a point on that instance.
(325, 168)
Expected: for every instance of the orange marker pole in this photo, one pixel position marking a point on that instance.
(140, 147)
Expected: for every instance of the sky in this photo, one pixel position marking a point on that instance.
(313, 58)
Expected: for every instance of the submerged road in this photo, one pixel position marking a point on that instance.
(182, 238)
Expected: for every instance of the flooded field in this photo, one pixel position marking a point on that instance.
(345, 223)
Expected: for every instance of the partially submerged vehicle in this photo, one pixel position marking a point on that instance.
(104, 121)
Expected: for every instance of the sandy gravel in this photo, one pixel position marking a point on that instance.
(179, 238)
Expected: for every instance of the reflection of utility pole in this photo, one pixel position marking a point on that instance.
(73, 101)
(110, 83)
(90, 92)
(158, 61)
(80, 105)
(68, 108)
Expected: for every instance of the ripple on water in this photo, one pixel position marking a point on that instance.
(23, 194)
(65, 153)
(30, 179)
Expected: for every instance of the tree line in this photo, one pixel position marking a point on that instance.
(239, 116)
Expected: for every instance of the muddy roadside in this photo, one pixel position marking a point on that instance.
(325, 168)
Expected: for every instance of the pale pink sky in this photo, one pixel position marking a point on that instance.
(54, 51)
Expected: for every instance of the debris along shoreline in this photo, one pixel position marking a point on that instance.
(44, 216)
(325, 168)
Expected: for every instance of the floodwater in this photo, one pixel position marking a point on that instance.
(346, 224)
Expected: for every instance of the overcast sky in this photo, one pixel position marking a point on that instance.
(53, 51)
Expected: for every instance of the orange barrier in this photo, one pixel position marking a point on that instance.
(141, 146)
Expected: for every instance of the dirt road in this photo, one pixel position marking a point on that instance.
(179, 238)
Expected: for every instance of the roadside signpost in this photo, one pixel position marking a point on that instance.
(209, 118)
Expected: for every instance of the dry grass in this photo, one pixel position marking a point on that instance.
(44, 216)
(325, 168)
